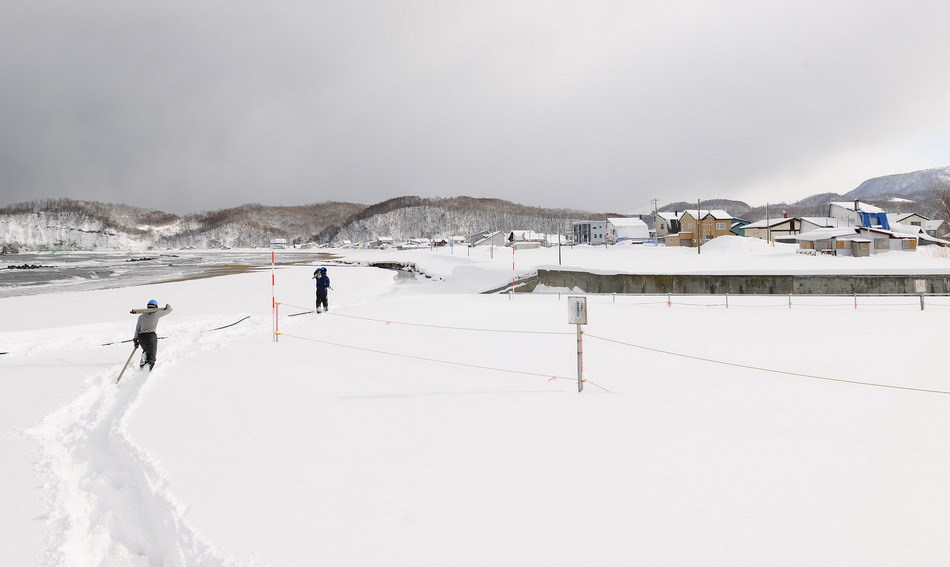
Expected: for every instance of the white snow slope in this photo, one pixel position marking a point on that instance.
(420, 423)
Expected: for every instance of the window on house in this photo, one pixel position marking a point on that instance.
(915, 223)
(720, 226)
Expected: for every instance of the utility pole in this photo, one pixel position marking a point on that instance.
(656, 216)
(699, 242)
(559, 244)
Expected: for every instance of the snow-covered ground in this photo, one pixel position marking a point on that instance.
(422, 423)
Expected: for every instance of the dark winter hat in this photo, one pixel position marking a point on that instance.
(152, 303)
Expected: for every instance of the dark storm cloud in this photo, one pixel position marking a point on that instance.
(599, 105)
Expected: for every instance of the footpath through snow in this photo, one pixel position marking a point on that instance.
(109, 503)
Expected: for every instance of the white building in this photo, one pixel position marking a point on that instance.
(619, 229)
(666, 223)
(590, 232)
(857, 213)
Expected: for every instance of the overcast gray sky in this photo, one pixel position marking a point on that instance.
(186, 105)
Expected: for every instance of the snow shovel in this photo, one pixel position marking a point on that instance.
(135, 348)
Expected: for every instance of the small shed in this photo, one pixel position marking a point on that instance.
(860, 247)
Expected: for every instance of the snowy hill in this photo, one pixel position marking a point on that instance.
(901, 185)
(408, 217)
(68, 224)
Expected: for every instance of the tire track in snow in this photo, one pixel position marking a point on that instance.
(110, 505)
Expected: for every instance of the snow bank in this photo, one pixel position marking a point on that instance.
(418, 423)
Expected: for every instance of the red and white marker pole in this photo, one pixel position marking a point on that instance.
(273, 300)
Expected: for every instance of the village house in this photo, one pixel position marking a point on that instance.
(937, 228)
(700, 226)
(525, 239)
(381, 242)
(666, 223)
(784, 228)
(910, 219)
(738, 227)
(859, 214)
(589, 232)
(627, 229)
(854, 241)
(770, 229)
(487, 238)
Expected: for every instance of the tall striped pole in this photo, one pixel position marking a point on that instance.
(273, 300)
(512, 266)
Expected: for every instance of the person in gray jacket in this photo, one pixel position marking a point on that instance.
(146, 332)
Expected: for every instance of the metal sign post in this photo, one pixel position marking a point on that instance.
(577, 315)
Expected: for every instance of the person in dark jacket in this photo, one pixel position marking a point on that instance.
(146, 332)
(323, 284)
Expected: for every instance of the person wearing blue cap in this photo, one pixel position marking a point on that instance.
(323, 284)
(146, 333)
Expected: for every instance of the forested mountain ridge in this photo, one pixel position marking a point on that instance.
(72, 224)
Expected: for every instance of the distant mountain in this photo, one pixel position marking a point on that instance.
(410, 217)
(71, 224)
(913, 184)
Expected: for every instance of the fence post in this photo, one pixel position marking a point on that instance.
(580, 358)
(727, 301)
(921, 302)
(789, 300)
(855, 301)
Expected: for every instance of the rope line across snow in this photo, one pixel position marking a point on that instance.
(436, 360)
(445, 327)
(763, 369)
(652, 349)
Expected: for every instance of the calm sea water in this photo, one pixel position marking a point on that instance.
(72, 271)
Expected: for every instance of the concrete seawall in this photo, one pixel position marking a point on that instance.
(831, 284)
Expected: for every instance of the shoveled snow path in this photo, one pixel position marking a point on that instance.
(110, 502)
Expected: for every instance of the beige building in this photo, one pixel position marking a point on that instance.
(698, 227)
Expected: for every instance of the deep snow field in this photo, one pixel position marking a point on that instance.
(421, 423)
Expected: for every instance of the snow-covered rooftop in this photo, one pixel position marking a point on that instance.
(825, 233)
(625, 222)
(863, 207)
(703, 213)
(765, 223)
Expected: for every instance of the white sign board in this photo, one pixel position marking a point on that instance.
(920, 286)
(577, 310)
